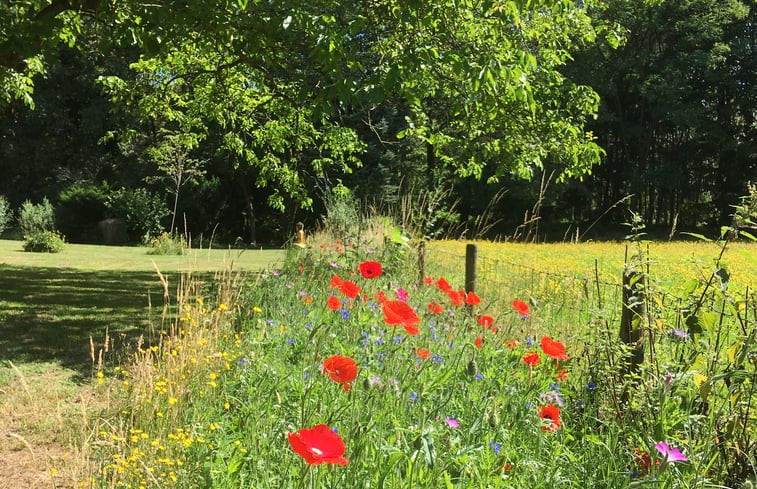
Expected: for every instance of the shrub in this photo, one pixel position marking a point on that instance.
(44, 242)
(6, 214)
(82, 206)
(33, 218)
(142, 211)
(166, 244)
(342, 219)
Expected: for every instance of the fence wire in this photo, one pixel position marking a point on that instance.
(570, 297)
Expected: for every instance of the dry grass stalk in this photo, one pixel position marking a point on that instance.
(23, 382)
(26, 444)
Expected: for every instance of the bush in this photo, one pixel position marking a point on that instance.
(166, 244)
(34, 218)
(44, 242)
(82, 206)
(142, 211)
(6, 214)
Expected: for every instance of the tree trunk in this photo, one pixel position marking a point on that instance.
(250, 213)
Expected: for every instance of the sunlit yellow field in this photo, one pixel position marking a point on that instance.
(576, 284)
(670, 261)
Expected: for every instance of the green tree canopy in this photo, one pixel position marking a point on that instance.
(477, 81)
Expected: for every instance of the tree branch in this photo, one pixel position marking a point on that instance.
(27, 37)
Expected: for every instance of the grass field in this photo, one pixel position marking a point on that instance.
(50, 307)
(51, 303)
(213, 406)
(136, 259)
(669, 261)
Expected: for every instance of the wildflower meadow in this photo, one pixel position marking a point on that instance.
(346, 366)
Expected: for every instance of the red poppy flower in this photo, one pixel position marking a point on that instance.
(341, 369)
(561, 374)
(550, 414)
(521, 307)
(435, 307)
(472, 299)
(479, 341)
(443, 285)
(398, 312)
(350, 289)
(380, 297)
(642, 458)
(428, 280)
(336, 281)
(511, 344)
(457, 298)
(553, 348)
(370, 269)
(318, 445)
(485, 321)
(423, 353)
(531, 358)
(333, 303)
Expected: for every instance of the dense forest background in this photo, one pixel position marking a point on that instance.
(675, 123)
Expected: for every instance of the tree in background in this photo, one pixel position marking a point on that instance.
(389, 98)
(678, 108)
(477, 82)
(171, 155)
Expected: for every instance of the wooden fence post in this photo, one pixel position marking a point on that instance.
(471, 254)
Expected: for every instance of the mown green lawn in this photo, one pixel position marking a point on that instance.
(51, 304)
(136, 259)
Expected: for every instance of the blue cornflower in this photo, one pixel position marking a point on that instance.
(591, 386)
(345, 313)
(413, 396)
(290, 341)
(495, 446)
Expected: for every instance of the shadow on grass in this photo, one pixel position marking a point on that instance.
(49, 314)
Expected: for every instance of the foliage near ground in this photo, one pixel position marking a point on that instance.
(57, 314)
(239, 369)
(481, 394)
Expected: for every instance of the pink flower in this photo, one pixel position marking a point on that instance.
(452, 423)
(671, 454)
(401, 294)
